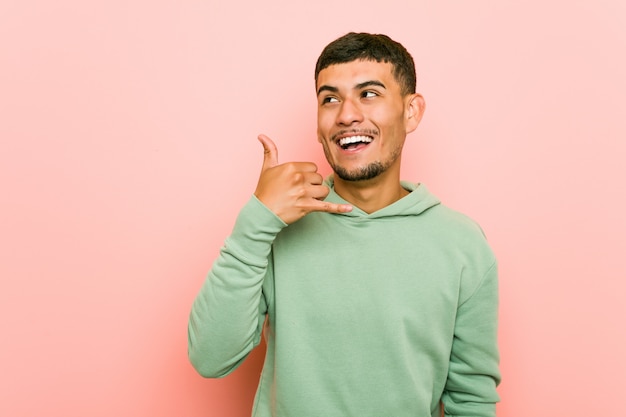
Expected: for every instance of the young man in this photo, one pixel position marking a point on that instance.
(380, 301)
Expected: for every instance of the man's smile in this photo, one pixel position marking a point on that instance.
(353, 140)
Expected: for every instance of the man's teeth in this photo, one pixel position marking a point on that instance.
(354, 139)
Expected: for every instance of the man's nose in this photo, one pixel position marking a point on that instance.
(349, 113)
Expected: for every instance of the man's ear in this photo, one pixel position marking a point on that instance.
(415, 110)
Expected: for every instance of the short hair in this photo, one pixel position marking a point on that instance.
(371, 47)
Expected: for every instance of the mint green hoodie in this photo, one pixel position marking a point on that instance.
(386, 314)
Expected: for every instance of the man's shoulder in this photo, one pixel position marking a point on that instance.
(452, 227)
(455, 219)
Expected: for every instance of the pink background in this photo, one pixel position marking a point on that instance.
(128, 144)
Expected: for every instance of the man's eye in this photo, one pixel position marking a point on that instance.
(329, 100)
(368, 94)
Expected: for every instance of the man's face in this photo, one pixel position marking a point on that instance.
(363, 118)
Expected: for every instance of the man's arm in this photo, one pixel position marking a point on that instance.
(227, 315)
(474, 371)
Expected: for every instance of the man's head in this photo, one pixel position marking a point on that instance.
(366, 106)
(370, 47)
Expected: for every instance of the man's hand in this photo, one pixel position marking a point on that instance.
(294, 189)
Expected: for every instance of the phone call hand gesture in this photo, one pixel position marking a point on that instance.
(294, 189)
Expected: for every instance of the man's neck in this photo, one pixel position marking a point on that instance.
(371, 195)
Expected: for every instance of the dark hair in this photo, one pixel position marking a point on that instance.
(370, 47)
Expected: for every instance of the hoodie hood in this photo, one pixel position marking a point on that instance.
(416, 202)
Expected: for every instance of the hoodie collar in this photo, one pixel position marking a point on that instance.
(416, 202)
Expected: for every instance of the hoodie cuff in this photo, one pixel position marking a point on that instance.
(254, 232)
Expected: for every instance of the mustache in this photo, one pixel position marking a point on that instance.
(355, 132)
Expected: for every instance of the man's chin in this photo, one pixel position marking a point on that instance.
(359, 174)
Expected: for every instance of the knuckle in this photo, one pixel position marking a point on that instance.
(298, 177)
(287, 168)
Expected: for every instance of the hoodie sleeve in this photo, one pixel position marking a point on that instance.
(228, 313)
(474, 361)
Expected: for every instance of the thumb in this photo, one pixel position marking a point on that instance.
(270, 152)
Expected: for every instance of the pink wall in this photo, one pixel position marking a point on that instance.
(128, 143)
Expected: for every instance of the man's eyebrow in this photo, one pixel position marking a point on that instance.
(370, 83)
(327, 88)
(359, 86)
